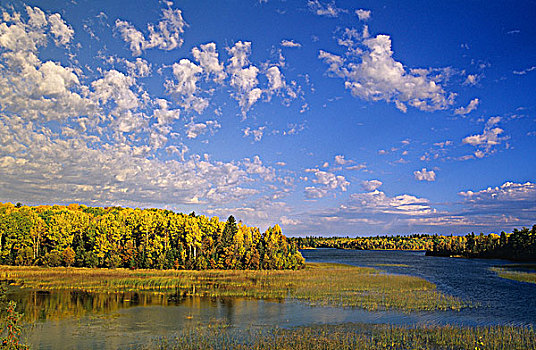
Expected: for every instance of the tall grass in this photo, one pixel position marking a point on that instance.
(317, 284)
(351, 336)
(512, 274)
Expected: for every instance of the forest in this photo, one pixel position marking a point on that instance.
(81, 236)
(518, 245)
(398, 242)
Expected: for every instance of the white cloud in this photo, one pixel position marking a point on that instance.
(290, 43)
(61, 31)
(256, 133)
(363, 15)
(166, 35)
(378, 202)
(312, 192)
(489, 138)
(33, 88)
(194, 130)
(243, 79)
(357, 167)
(139, 68)
(116, 91)
(255, 166)
(329, 180)
(339, 159)
(371, 73)
(324, 9)
(208, 59)
(471, 80)
(187, 75)
(470, 107)
(61, 169)
(524, 71)
(425, 175)
(275, 79)
(507, 192)
(371, 185)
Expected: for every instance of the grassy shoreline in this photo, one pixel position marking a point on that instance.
(513, 272)
(319, 284)
(351, 336)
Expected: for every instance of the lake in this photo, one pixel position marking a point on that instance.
(79, 320)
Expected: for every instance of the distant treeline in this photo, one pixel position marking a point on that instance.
(411, 242)
(518, 245)
(76, 235)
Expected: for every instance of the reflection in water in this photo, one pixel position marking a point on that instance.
(80, 320)
(57, 305)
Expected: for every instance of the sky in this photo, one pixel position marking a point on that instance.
(325, 117)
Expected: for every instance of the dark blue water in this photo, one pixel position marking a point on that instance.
(499, 300)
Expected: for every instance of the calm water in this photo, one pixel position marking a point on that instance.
(73, 320)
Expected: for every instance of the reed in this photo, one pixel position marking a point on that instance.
(318, 284)
(350, 336)
(521, 276)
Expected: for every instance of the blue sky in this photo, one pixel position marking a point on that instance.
(327, 117)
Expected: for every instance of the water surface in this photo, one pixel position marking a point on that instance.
(78, 320)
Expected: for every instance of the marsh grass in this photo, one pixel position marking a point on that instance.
(318, 284)
(350, 336)
(511, 272)
(393, 265)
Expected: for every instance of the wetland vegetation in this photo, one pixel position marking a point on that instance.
(317, 284)
(352, 336)
(517, 272)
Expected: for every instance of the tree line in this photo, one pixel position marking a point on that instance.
(81, 236)
(518, 245)
(398, 242)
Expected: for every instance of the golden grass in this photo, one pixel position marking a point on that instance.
(317, 284)
(521, 276)
(351, 336)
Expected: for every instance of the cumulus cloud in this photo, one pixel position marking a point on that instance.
(371, 73)
(329, 180)
(490, 137)
(371, 185)
(60, 30)
(29, 86)
(312, 192)
(256, 133)
(508, 205)
(139, 68)
(184, 88)
(243, 75)
(208, 59)
(324, 9)
(470, 107)
(363, 15)
(255, 166)
(507, 192)
(290, 43)
(378, 202)
(194, 130)
(165, 35)
(339, 159)
(471, 79)
(425, 175)
(65, 169)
